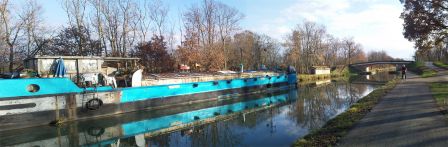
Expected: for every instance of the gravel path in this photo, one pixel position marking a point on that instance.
(406, 116)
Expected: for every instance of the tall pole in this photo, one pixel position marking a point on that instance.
(241, 60)
(77, 72)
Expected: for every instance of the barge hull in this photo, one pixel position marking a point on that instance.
(103, 131)
(21, 112)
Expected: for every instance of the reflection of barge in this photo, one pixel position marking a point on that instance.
(144, 124)
(38, 101)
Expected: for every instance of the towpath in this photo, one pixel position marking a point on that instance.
(406, 116)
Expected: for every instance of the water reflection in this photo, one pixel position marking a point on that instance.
(378, 78)
(316, 105)
(278, 126)
(265, 119)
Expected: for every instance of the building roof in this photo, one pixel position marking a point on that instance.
(84, 57)
(320, 67)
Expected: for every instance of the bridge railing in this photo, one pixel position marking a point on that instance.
(381, 62)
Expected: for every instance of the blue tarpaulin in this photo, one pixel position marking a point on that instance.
(60, 68)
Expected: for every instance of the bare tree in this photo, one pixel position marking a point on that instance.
(349, 47)
(309, 45)
(294, 49)
(111, 14)
(213, 24)
(227, 22)
(308, 41)
(13, 25)
(244, 49)
(121, 20)
(125, 7)
(332, 51)
(76, 10)
(158, 12)
(21, 31)
(98, 22)
(378, 56)
(144, 20)
(37, 36)
(171, 37)
(30, 24)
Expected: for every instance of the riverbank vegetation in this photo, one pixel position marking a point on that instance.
(339, 126)
(419, 68)
(440, 93)
(441, 64)
(312, 77)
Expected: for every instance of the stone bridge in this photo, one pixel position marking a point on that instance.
(367, 65)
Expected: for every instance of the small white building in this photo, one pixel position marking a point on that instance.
(320, 70)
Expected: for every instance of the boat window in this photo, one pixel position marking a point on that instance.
(33, 88)
(196, 118)
(195, 85)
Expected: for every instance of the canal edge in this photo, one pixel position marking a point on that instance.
(339, 126)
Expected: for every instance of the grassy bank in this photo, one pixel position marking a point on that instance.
(339, 126)
(440, 93)
(311, 77)
(440, 64)
(420, 69)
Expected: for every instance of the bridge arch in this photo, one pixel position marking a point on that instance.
(380, 62)
(369, 63)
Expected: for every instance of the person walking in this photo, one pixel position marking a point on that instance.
(403, 72)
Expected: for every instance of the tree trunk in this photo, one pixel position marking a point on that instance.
(11, 58)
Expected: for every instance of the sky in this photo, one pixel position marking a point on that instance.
(375, 24)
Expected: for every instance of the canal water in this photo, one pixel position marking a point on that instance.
(269, 118)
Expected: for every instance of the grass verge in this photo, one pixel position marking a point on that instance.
(428, 73)
(311, 77)
(420, 69)
(440, 93)
(339, 126)
(440, 64)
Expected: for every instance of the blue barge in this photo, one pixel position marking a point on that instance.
(41, 101)
(145, 124)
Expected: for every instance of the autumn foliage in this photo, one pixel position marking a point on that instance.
(154, 56)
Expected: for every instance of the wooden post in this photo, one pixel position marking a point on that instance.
(77, 71)
(71, 106)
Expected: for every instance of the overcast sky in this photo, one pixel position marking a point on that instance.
(373, 23)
